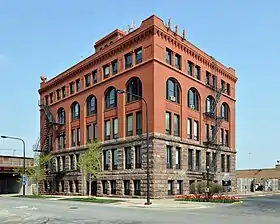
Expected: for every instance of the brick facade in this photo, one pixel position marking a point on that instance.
(152, 73)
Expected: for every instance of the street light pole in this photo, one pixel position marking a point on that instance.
(119, 91)
(23, 142)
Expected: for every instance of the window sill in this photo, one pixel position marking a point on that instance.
(170, 101)
(133, 101)
(91, 115)
(110, 108)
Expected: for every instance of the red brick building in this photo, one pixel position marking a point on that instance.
(180, 83)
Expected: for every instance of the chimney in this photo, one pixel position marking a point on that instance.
(184, 34)
(176, 29)
(169, 24)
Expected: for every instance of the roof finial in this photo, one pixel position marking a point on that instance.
(176, 29)
(184, 34)
(169, 23)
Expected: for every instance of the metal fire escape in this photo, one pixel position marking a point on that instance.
(213, 117)
(46, 140)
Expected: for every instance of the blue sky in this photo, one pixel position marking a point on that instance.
(46, 37)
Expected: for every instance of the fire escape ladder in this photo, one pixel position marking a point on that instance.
(212, 142)
(50, 117)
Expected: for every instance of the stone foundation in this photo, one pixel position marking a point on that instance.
(159, 174)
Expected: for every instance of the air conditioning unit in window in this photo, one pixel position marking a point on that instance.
(192, 106)
(173, 98)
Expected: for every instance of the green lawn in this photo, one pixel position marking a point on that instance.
(93, 200)
(33, 196)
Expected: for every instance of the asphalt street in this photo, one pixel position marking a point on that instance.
(255, 210)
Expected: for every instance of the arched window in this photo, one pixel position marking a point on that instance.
(91, 105)
(133, 86)
(110, 98)
(75, 109)
(173, 90)
(210, 104)
(225, 111)
(193, 99)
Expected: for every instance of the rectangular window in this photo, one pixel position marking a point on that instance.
(115, 67)
(47, 100)
(214, 159)
(51, 97)
(94, 76)
(58, 94)
(73, 138)
(115, 128)
(138, 55)
(214, 81)
(226, 138)
(190, 68)
(107, 130)
(197, 159)
(178, 158)
(208, 159)
(223, 85)
(63, 91)
(106, 159)
(170, 187)
(178, 62)
(87, 80)
(208, 78)
(190, 159)
(78, 85)
(72, 88)
(128, 60)
(212, 136)
(179, 187)
(176, 125)
(104, 186)
(228, 89)
(138, 157)
(168, 123)
(189, 131)
(129, 128)
(207, 132)
(94, 131)
(113, 187)
(89, 133)
(127, 158)
(168, 157)
(223, 163)
(222, 136)
(228, 163)
(197, 72)
(126, 184)
(168, 56)
(195, 131)
(137, 188)
(139, 122)
(115, 159)
(106, 71)
(78, 136)
(60, 141)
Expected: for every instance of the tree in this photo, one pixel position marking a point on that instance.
(90, 162)
(37, 172)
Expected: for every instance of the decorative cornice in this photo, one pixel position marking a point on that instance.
(194, 52)
(120, 46)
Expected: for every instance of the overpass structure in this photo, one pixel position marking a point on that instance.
(9, 183)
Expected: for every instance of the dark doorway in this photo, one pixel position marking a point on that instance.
(93, 188)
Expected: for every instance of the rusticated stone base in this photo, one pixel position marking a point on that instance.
(122, 182)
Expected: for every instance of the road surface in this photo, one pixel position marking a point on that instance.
(257, 210)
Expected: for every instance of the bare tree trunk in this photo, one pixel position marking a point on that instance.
(89, 186)
(37, 188)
